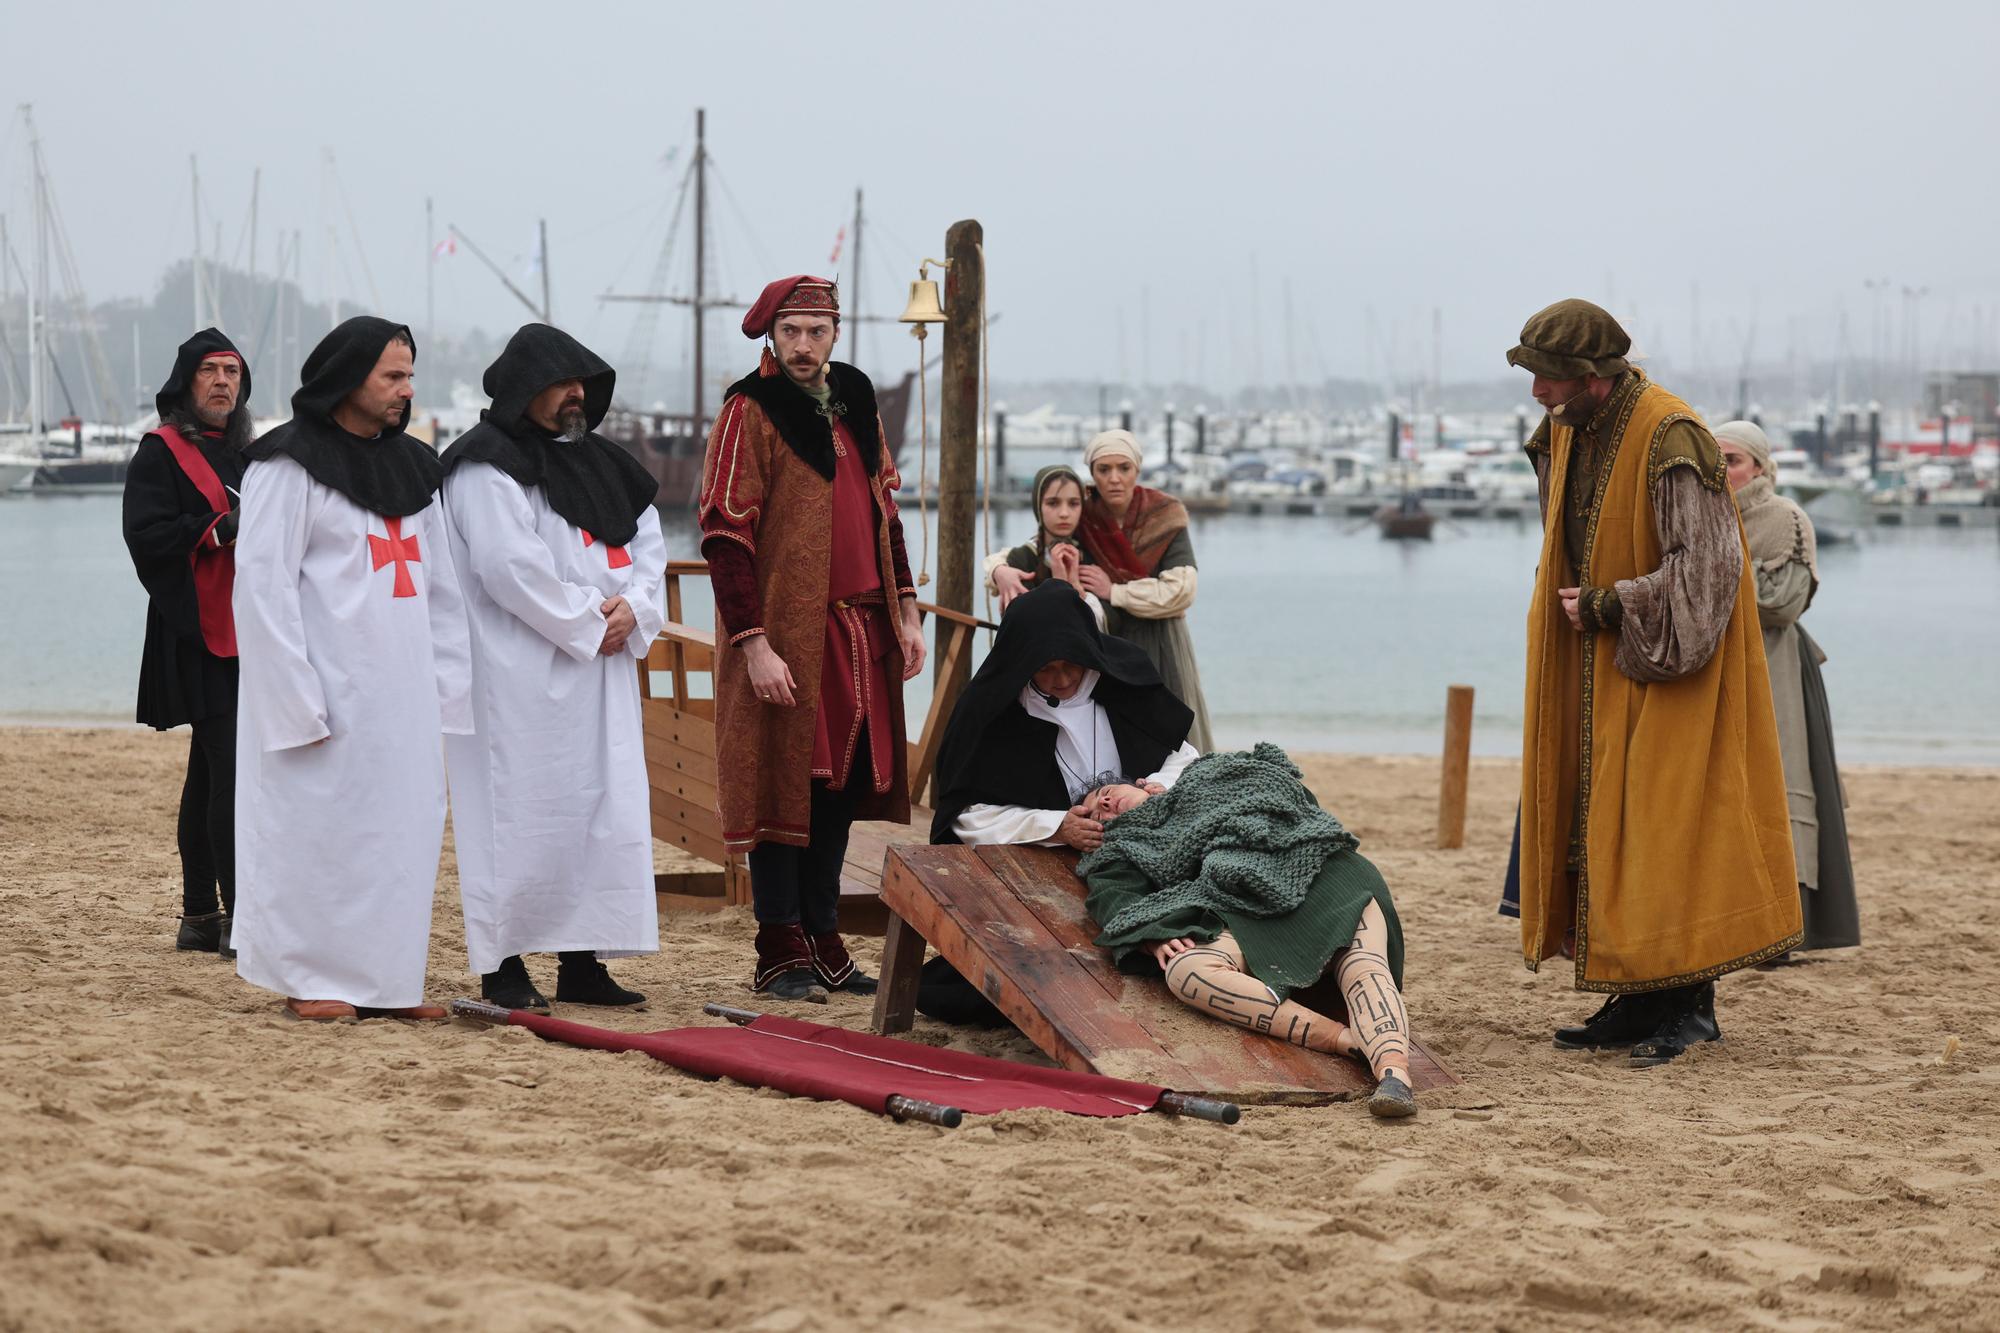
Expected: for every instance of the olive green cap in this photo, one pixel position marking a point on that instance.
(1570, 340)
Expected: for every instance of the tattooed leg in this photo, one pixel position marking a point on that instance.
(1374, 1005)
(1211, 978)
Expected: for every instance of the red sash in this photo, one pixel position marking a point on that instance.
(214, 566)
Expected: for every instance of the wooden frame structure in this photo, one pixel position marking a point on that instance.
(1012, 921)
(682, 765)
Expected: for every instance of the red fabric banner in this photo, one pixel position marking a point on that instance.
(834, 1064)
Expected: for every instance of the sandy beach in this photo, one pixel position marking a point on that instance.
(182, 1155)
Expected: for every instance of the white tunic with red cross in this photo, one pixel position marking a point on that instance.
(354, 659)
(550, 808)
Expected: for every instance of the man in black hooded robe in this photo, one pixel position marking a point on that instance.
(1057, 709)
(354, 660)
(181, 495)
(559, 551)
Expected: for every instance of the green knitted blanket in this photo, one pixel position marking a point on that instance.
(1238, 832)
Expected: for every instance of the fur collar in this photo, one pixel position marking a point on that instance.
(799, 423)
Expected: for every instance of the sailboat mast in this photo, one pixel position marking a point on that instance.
(430, 278)
(856, 284)
(195, 274)
(700, 253)
(7, 305)
(38, 295)
(542, 243)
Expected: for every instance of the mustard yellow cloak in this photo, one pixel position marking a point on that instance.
(1684, 869)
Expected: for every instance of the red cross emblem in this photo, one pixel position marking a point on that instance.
(400, 549)
(617, 557)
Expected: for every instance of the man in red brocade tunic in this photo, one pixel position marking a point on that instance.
(817, 630)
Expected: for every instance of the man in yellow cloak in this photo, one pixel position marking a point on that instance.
(1655, 840)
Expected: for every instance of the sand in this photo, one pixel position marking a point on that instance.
(180, 1155)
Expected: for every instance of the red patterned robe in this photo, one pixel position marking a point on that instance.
(809, 500)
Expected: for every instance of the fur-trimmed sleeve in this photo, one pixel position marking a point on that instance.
(732, 476)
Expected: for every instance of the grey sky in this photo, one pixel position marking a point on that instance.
(1479, 158)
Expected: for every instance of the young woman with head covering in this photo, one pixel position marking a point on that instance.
(1054, 551)
(1142, 566)
(1784, 556)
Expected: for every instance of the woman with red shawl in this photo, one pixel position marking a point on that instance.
(1144, 571)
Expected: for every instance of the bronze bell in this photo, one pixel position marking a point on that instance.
(924, 306)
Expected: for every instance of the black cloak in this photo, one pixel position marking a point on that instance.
(391, 474)
(994, 753)
(592, 483)
(165, 518)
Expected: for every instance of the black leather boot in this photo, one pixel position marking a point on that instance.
(222, 944)
(582, 979)
(510, 988)
(1687, 1018)
(201, 934)
(1623, 1020)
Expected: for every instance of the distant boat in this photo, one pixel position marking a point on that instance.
(1406, 520)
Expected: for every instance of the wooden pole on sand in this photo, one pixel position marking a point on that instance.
(1457, 760)
(958, 432)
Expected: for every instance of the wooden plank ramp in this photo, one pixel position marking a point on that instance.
(1011, 919)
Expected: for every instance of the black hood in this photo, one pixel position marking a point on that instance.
(593, 483)
(537, 356)
(994, 753)
(391, 473)
(172, 399)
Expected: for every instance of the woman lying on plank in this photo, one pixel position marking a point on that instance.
(1244, 892)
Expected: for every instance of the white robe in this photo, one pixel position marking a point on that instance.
(1085, 751)
(337, 844)
(550, 807)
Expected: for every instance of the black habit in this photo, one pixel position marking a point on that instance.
(166, 520)
(995, 753)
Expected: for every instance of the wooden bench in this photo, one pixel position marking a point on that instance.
(681, 765)
(1011, 919)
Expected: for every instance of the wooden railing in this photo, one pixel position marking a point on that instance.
(683, 766)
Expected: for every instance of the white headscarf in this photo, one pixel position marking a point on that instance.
(1750, 438)
(1112, 443)
(1085, 748)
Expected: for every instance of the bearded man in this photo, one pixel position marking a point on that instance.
(1655, 839)
(181, 508)
(817, 628)
(355, 662)
(559, 550)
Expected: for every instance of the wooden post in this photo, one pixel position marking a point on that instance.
(1457, 758)
(958, 436)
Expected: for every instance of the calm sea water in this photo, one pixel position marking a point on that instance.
(1312, 632)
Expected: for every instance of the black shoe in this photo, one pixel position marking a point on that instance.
(796, 984)
(1393, 1099)
(222, 944)
(510, 988)
(859, 983)
(1623, 1020)
(582, 979)
(200, 934)
(1689, 1021)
